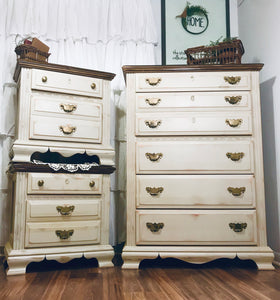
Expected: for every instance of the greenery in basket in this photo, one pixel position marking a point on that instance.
(225, 40)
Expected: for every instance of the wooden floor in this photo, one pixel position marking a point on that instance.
(156, 280)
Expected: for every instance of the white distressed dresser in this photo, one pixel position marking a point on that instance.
(61, 165)
(195, 186)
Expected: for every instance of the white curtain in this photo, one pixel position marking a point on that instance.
(93, 34)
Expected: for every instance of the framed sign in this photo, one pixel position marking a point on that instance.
(187, 24)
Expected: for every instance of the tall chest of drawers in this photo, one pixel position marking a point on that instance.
(60, 168)
(194, 164)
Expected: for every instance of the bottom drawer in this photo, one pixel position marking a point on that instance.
(62, 233)
(196, 227)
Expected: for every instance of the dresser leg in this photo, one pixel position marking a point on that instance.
(262, 260)
(131, 263)
(104, 257)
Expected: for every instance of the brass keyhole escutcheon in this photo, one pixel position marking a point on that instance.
(44, 79)
(93, 86)
(92, 184)
(40, 182)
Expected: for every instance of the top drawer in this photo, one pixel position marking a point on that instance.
(66, 83)
(200, 81)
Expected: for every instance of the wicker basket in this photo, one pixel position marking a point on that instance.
(223, 53)
(29, 52)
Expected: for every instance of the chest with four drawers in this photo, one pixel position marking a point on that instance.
(194, 164)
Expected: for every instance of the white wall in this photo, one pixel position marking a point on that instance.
(258, 30)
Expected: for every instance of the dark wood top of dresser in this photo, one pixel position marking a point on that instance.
(21, 63)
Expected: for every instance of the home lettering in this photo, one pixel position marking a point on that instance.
(194, 21)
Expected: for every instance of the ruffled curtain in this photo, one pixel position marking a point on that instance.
(93, 34)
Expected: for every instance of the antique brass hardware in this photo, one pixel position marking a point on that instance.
(238, 227)
(154, 156)
(235, 156)
(154, 191)
(234, 122)
(93, 86)
(68, 107)
(67, 129)
(232, 79)
(65, 210)
(92, 183)
(153, 123)
(236, 191)
(64, 234)
(153, 101)
(233, 99)
(40, 182)
(154, 227)
(153, 81)
(44, 79)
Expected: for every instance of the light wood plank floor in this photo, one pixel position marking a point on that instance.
(157, 280)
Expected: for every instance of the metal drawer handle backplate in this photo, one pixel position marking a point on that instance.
(44, 79)
(153, 81)
(40, 182)
(238, 227)
(232, 79)
(233, 99)
(154, 191)
(65, 210)
(153, 123)
(236, 191)
(68, 107)
(235, 156)
(155, 227)
(67, 129)
(234, 122)
(153, 101)
(64, 234)
(154, 156)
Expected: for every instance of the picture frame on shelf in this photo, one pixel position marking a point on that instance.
(192, 23)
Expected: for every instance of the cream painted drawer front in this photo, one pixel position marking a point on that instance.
(194, 123)
(66, 83)
(67, 106)
(170, 156)
(47, 234)
(51, 183)
(189, 227)
(65, 129)
(65, 209)
(196, 191)
(192, 81)
(171, 101)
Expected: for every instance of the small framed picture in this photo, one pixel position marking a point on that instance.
(187, 24)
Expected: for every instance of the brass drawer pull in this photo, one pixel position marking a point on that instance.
(153, 123)
(233, 99)
(154, 156)
(234, 122)
(44, 79)
(153, 101)
(92, 183)
(153, 81)
(67, 129)
(236, 191)
(155, 227)
(232, 79)
(65, 210)
(93, 86)
(153, 191)
(40, 182)
(64, 234)
(68, 107)
(235, 156)
(238, 227)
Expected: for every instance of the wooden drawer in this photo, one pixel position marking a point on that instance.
(188, 81)
(59, 233)
(232, 227)
(195, 191)
(66, 83)
(52, 183)
(194, 123)
(174, 101)
(65, 129)
(195, 155)
(62, 209)
(66, 106)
